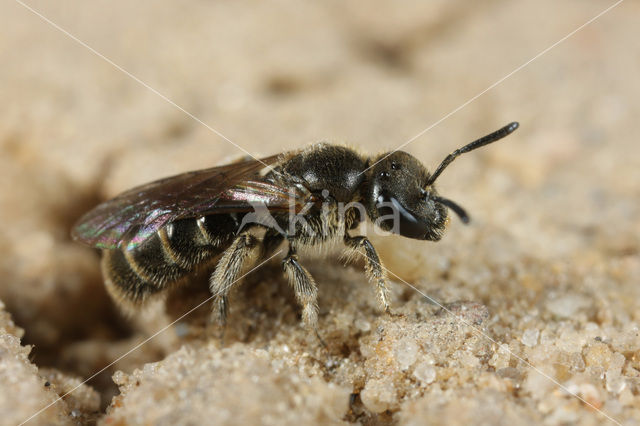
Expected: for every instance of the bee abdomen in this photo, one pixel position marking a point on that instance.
(122, 281)
(166, 257)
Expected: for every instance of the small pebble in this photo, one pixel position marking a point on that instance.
(406, 352)
(425, 373)
(530, 337)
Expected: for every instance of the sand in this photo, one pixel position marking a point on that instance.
(536, 314)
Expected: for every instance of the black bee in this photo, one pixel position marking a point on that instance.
(154, 235)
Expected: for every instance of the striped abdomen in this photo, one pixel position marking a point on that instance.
(172, 253)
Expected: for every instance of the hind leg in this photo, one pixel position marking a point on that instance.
(227, 272)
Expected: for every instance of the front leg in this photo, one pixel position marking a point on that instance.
(374, 269)
(304, 288)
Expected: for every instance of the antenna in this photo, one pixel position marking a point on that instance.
(462, 214)
(486, 140)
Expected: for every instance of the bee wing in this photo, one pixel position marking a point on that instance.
(138, 213)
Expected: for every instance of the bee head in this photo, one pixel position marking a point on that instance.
(402, 198)
(401, 201)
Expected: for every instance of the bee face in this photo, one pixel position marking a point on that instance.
(401, 201)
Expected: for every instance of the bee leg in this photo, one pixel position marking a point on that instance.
(270, 242)
(227, 272)
(304, 288)
(374, 269)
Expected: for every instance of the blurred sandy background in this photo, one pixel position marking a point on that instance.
(549, 267)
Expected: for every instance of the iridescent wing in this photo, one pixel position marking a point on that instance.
(138, 213)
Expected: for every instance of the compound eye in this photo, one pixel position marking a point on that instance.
(407, 224)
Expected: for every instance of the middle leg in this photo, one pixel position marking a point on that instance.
(304, 287)
(228, 270)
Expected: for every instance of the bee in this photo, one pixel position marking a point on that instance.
(155, 235)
